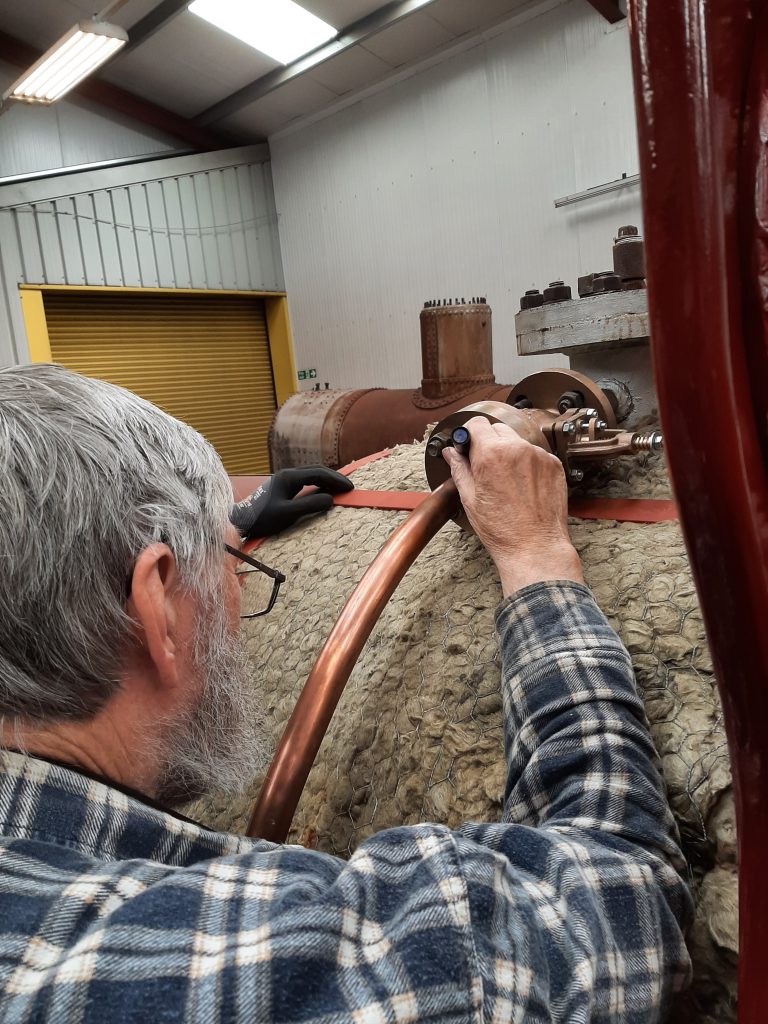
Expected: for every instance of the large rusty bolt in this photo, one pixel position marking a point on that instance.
(629, 254)
(531, 299)
(557, 292)
(606, 282)
(570, 400)
(585, 285)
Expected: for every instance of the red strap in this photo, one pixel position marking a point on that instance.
(623, 510)
(386, 501)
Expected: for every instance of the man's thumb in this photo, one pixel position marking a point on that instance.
(460, 470)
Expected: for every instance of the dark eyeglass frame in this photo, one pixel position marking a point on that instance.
(277, 578)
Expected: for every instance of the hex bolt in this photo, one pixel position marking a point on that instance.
(557, 291)
(436, 444)
(606, 281)
(653, 442)
(568, 428)
(570, 400)
(585, 285)
(629, 255)
(601, 425)
(532, 299)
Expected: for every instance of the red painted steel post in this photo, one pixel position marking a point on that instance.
(701, 70)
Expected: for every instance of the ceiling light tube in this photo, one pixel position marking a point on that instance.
(54, 93)
(75, 56)
(96, 55)
(73, 45)
(58, 70)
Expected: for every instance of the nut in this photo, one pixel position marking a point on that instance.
(585, 285)
(532, 299)
(557, 292)
(629, 254)
(607, 281)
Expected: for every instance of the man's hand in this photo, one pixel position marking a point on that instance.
(274, 506)
(516, 499)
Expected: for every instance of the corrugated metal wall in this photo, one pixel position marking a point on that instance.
(443, 185)
(205, 221)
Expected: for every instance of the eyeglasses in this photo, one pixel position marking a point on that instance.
(264, 586)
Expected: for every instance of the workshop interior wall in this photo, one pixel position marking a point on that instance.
(205, 221)
(71, 132)
(443, 184)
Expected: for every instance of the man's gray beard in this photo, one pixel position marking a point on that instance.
(218, 743)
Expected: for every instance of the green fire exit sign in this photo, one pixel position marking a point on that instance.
(307, 374)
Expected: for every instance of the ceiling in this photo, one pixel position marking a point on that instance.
(207, 77)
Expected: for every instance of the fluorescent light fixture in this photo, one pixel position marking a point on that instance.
(75, 56)
(279, 28)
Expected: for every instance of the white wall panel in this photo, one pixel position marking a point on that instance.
(205, 221)
(70, 133)
(444, 185)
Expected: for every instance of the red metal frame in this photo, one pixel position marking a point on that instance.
(701, 77)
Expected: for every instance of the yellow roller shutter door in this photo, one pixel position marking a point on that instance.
(204, 359)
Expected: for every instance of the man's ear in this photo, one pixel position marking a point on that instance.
(153, 605)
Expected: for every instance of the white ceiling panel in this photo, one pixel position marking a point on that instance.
(355, 68)
(42, 22)
(188, 65)
(409, 39)
(300, 96)
(458, 16)
(38, 22)
(341, 13)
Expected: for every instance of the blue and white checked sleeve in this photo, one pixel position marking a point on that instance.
(580, 914)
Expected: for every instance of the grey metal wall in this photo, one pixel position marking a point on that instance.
(70, 132)
(204, 221)
(444, 183)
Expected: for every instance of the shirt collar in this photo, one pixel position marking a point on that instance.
(64, 805)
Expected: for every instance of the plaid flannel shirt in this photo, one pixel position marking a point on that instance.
(570, 909)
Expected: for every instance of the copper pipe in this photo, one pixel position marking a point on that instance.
(299, 744)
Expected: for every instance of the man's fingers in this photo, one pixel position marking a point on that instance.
(311, 503)
(460, 470)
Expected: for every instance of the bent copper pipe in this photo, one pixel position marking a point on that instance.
(300, 742)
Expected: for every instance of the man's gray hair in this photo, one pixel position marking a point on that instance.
(90, 475)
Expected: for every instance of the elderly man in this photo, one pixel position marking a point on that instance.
(124, 691)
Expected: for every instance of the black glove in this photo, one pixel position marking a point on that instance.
(272, 507)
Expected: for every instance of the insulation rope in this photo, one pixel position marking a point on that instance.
(620, 510)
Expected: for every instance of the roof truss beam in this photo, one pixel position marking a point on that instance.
(152, 22)
(358, 32)
(609, 9)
